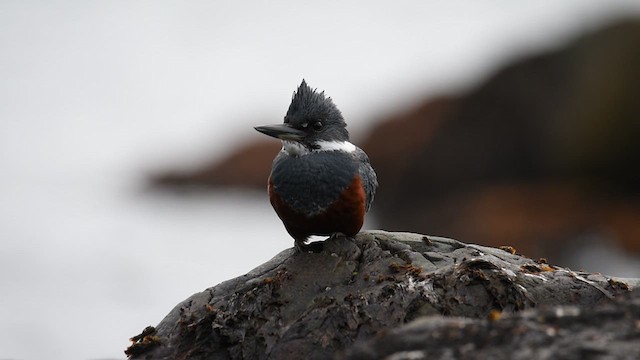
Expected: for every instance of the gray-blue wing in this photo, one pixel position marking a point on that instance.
(368, 175)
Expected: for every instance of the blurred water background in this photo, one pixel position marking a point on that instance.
(98, 95)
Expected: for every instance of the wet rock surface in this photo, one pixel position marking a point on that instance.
(605, 331)
(363, 290)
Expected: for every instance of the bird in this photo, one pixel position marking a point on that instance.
(320, 183)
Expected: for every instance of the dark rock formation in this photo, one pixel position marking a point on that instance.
(317, 305)
(542, 152)
(605, 331)
(248, 167)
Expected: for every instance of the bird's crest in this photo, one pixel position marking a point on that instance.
(306, 100)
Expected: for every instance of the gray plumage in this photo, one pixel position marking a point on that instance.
(311, 182)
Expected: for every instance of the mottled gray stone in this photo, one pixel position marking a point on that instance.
(603, 331)
(317, 305)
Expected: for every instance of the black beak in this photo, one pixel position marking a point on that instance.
(281, 131)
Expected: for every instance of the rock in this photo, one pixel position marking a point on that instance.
(317, 305)
(248, 167)
(539, 156)
(604, 331)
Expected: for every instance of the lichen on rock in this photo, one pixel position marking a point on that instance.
(317, 305)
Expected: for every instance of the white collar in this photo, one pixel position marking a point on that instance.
(296, 149)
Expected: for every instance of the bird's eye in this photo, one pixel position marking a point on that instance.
(317, 125)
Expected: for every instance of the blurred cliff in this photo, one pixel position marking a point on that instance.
(542, 155)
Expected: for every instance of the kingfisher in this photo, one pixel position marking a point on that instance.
(320, 183)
